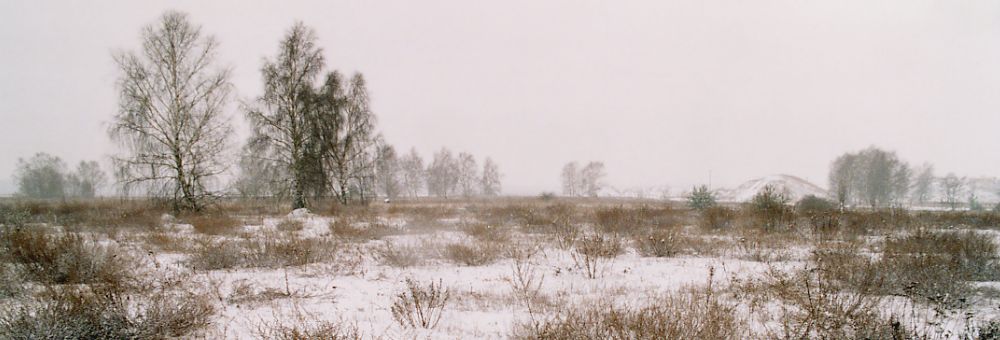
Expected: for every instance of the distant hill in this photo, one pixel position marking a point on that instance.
(796, 188)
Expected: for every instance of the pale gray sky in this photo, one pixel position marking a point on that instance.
(661, 91)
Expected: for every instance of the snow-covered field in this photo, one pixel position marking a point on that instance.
(508, 266)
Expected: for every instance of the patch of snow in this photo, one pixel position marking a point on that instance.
(300, 213)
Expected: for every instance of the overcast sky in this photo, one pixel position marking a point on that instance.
(662, 91)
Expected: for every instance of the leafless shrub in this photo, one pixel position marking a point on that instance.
(629, 221)
(822, 214)
(245, 293)
(278, 251)
(692, 314)
(419, 306)
(815, 306)
(209, 254)
(351, 229)
(393, 255)
(617, 220)
(478, 254)
(760, 248)
(868, 222)
(267, 250)
(936, 266)
(167, 242)
(487, 233)
(65, 258)
(974, 219)
(591, 253)
(526, 282)
(660, 243)
(717, 218)
(82, 313)
(304, 329)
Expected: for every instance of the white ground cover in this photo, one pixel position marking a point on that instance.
(357, 290)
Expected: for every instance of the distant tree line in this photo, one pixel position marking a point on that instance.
(46, 176)
(872, 177)
(586, 181)
(878, 178)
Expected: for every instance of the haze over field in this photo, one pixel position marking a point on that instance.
(661, 93)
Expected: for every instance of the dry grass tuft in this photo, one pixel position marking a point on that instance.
(350, 228)
(479, 253)
(717, 218)
(267, 250)
(420, 307)
(399, 256)
(693, 314)
(213, 224)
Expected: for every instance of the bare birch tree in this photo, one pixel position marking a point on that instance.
(442, 174)
(570, 179)
(347, 136)
(951, 187)
(387, 171)
(592, 178)
(170, 122)
(468, 179)
(490, 181)
(412, 166)
(86, 181)
(924, 183)
(282, 130)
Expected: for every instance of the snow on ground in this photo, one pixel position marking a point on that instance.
(482, 305)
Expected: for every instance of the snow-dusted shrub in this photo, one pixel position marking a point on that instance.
(101, 313)
(937, 266)
(420, 306)
(593, 252)
(823, 214)
(815, 304)
(305, 329)
(278, 251)
(209, 254)
(659, 243)
(65, 258)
